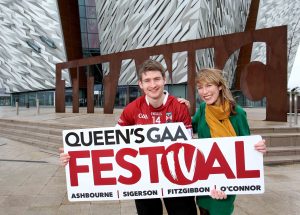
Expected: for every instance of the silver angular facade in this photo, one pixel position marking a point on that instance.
(127, 25)
(274, 13)
(31, 44)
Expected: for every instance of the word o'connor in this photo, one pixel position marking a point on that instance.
(241, 188)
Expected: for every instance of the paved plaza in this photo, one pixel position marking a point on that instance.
(32, 182)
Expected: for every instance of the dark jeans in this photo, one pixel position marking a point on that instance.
(174, 206)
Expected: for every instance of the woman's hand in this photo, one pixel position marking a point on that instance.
(218, 194)
(261, 146)
(184, 101)
(63, 157)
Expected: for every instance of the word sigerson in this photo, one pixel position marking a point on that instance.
(153, 161)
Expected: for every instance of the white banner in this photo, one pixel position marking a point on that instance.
(160, 160)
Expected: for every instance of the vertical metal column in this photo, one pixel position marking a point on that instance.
(17, 108)
(290, 108)
(37, 106)
(293, 99)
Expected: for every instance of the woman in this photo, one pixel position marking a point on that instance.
(218, 116)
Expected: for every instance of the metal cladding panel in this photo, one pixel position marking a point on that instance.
(275, 13)
(127, 25)
(26, 24)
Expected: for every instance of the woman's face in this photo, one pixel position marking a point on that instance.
(209, 93)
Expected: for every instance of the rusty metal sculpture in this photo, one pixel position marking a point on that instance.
(257, 80)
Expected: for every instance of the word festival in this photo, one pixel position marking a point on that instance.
(160, 160)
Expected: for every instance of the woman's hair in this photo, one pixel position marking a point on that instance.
(151, 65)
(215, 77)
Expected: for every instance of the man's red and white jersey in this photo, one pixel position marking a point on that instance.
(140, 112)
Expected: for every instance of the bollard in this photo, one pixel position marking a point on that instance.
(17, 108)
(37, 107)
(290, 108)
(294, 99)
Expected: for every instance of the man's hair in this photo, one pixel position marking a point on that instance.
(151, 65)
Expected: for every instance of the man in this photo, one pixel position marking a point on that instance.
(154, 107)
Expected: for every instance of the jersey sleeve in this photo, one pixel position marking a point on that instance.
(184, 116)
(186, 119)
(126, 117)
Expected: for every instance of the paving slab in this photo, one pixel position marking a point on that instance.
(32, 182)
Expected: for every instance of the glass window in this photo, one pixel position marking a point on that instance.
(68, 98)
(45, 98)
(121, 97)
(22, 100)
(32, 99)
(91, 12)
(81, 2)
(93, 41)
(177, 90)
(84, 40)
(82, 11)
(90, 3)
(48, 41)
(83, 25)
(41, 98)
(92, 26)
(4, 101)
(134, 92)
(34, 46)
(50, 98)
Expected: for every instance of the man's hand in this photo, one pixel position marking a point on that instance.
(63, 157)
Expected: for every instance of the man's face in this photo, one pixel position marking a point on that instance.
(152, 84)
